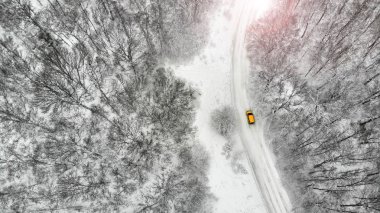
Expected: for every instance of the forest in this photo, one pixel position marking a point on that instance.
(90, 120)
(315, 76)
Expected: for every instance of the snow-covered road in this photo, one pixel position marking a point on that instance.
(220, 72)
(252, 137)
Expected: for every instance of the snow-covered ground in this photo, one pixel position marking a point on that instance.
(220, 73)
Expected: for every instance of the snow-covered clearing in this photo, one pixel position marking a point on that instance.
(219, 73)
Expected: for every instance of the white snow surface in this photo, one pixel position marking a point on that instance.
(220, 72)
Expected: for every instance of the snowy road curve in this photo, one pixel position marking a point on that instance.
(252, 137)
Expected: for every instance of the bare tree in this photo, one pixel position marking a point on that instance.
(311, 64)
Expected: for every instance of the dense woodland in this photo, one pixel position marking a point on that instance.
(316, 83)
(89, 122)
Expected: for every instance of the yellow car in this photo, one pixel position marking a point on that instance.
(250, 117)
